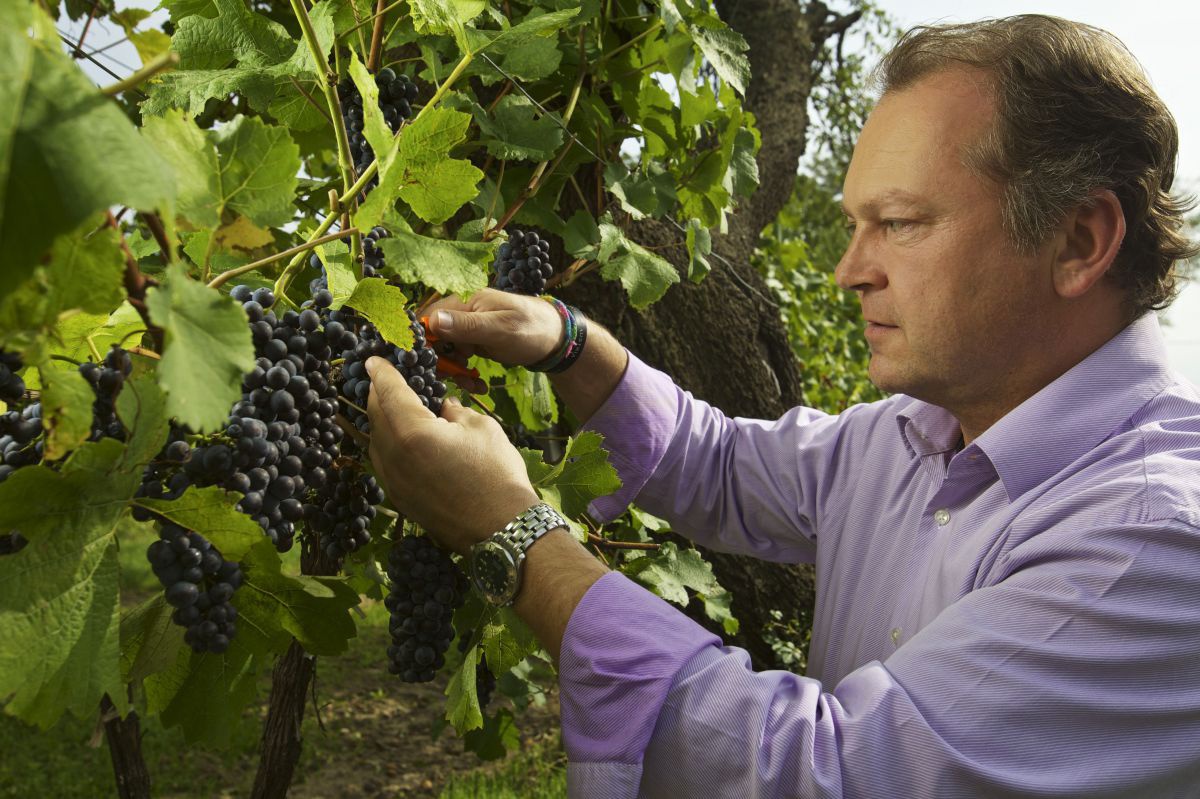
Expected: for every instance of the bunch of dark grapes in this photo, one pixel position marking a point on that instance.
(21, 439)
(427, 587)
(281, 438)
(343, 511)
(522, 264)
(199, 584)
(397, 93)
(12, 386)
(107, 379)
(485, 681)
(418, 365)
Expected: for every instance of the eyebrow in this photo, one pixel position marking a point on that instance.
(890, 195)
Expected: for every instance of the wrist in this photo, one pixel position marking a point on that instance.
(570, 343)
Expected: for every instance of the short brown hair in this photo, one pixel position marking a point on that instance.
(1075, 113)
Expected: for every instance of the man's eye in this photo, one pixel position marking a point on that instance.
(897, 225)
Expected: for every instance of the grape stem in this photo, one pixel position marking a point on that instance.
(156, 65)
(371, 18)
(224, 277)
(136, 284)
(328, 81)
(376, 38)
(608, 543)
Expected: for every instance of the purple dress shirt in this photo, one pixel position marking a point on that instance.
(1020, 618)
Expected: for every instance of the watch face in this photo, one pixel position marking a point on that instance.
(494, 571)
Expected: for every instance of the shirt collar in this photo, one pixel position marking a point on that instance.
(1064, 420)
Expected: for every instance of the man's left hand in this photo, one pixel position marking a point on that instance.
(457, 476)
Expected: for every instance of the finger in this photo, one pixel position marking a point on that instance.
(391, 395)
(469, 327)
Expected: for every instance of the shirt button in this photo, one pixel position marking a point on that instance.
(942, 517)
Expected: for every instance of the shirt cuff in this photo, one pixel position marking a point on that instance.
(621, 651)
(637, 421)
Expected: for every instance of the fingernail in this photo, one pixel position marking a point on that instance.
(373, 364)
(445, 322)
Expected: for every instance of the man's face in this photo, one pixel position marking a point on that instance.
(951, 306)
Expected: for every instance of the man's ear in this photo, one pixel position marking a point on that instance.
(1090, 238)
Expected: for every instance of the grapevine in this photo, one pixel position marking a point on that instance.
(229, 421)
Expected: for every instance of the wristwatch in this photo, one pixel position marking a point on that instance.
(497, 562)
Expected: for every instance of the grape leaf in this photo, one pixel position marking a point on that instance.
(440, 189)
(582, 235)
(507, 641)
(462, 707)
(339, 271)
(207, 349)
(670, 572)
(85, 272)
(451, 267)
(527, 33)
(375, 128)
(383, 305)
(423, 173)
(497, 737)
(150, 641)
(530, 392)
(66, 151)
(539, 59)
(699, 245)
(245, 166)
(212, 513)
(267, 59)
(743, 169)
(194, 159)
(257, 168)
(445, 17)
(66, 410)
(641, 195)
(514, 132)
(235, 34)
(66, 581)
(142, 408)
(645, 276)
(724, 48)
(205, 694)
(313, 610)
(582, 475)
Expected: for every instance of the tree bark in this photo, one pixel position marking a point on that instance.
(124, 737)
(724, 339)
(281, 741)
(290, 679)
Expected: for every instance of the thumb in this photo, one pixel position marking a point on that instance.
(390, 393)
(468, 327)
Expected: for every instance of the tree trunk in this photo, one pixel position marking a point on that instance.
(290, 679)
(124, 736)
(281, 733)
(724, 340)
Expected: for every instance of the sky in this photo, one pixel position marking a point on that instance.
(1162, 35)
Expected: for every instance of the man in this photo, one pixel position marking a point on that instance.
(1007, 548)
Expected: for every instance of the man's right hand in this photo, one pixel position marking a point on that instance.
(512, 329)
(517, 330)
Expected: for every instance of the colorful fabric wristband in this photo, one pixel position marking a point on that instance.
(575, 334)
